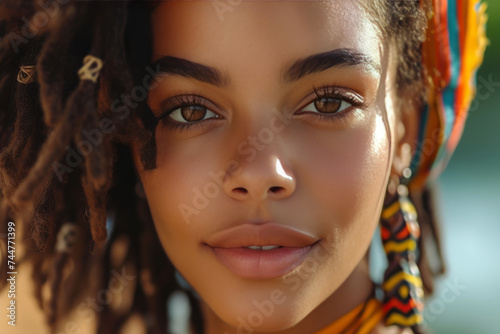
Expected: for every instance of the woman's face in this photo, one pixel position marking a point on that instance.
(277, 119)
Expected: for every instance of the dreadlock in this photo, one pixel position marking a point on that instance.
(47, 179)
(40, 122)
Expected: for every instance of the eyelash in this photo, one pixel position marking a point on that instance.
(195, 99)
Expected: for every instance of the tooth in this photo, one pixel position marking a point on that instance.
(269, 247)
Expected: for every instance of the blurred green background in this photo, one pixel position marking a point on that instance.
(468, 296)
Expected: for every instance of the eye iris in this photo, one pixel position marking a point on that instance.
(193, 113)
(328, 105)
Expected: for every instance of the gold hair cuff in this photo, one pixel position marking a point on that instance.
(90, 69)
(26, 74)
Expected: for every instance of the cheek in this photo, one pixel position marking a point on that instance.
(343, 178)
(346, 177)
(368, 175)
(179, 190)
(346, 172)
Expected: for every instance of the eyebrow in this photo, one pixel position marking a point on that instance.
(189, 69)
(323, 61)
(299, 69)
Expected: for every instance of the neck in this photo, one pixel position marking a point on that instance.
(355, 290)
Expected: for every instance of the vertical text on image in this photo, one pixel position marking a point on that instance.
(11, 273)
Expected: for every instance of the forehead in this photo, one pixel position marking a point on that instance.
(209, 31)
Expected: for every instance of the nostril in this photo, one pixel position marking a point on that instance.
(276, 189)
(240, 190)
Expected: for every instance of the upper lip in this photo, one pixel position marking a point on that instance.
(262, 234)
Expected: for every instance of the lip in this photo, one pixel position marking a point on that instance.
(262, 234)
(228, 247)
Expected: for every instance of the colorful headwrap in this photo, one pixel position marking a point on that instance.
(453, 51)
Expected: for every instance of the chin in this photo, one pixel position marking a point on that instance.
(261, 310)
(265, 319)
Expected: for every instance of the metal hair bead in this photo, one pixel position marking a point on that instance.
(91, 68)
(26, 74)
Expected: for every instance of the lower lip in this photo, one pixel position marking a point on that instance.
(261, 264)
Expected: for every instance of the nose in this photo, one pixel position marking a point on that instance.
(263, 178)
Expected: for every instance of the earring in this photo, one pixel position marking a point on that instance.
(403, 291)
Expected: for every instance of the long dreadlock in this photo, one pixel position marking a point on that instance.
(43, 120)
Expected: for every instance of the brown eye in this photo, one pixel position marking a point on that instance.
(193, 113)
(328, 105)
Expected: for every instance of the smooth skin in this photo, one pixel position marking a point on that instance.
(321, 166)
